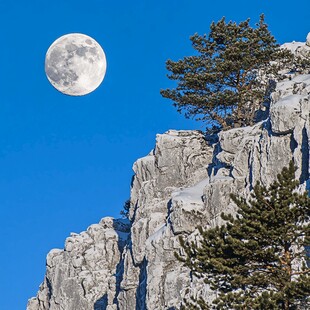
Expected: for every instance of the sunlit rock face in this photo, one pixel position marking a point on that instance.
(308, 40)
(84, 274)
(184, 182)
(152, 278)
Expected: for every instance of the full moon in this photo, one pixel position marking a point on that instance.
(75, 64)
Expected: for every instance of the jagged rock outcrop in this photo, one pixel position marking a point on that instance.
(84, 274)
(184, 182)
(152, 279)
(308, 40)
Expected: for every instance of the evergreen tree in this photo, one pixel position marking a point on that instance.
(257, 260)
(227, 81)
(126, 208)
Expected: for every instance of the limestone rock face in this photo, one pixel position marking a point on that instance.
(308, 40)
(184, 182)
(299, 49)
(84, 274)
(153, 279)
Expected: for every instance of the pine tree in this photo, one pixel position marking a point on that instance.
(126, 208)
(227, 81)
(257, 260)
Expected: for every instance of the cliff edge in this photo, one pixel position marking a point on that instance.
(184, 182)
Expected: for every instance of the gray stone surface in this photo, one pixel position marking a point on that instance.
(182, 183)
(179, 160)
(301, 51)
(308, 40)
(83, 275)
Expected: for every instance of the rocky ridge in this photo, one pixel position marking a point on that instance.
(184, 182)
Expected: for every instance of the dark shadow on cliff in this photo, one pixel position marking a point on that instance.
(169, 207)
(102, 303)
(305, 175)
(119, 278)
(122, 227)
(142, 288)
(304, 157)
(215, 164)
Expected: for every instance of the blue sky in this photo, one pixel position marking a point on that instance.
(65, 162)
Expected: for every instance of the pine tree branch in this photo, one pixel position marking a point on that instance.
(301, 272)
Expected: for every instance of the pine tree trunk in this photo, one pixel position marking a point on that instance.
(287, 265)
(286, 305)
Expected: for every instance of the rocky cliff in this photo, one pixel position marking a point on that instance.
(184, 182)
